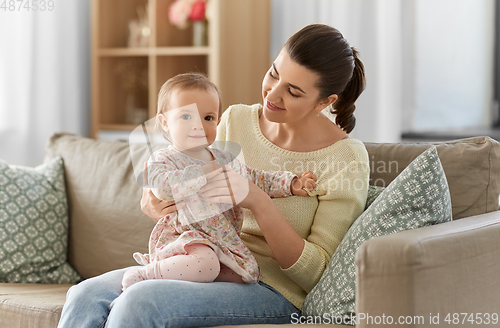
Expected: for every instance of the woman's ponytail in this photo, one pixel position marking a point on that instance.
(344, 107)
(323, 49)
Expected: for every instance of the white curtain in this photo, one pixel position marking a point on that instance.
(44, 77)
(373, 27)
(453, 65)
(428, 63)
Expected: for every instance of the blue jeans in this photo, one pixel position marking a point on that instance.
(99, 302)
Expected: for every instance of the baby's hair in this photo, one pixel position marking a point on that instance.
(183, 82)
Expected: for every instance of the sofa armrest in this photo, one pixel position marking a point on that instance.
(444, 269)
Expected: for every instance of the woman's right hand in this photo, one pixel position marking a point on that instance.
(226, 186)
(154, 207)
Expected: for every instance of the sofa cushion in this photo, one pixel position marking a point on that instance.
(471, 165)
(34, 224)
(31, 305)
(106, 223)
(373, 193)
(418, 197)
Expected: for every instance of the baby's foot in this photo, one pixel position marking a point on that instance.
(132, 276)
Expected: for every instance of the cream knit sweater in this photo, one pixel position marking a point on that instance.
(321, 220)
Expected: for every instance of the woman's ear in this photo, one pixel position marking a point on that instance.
(163, 122)
(331, 99)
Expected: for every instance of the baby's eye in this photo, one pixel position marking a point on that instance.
(186, 117)
(209, 118)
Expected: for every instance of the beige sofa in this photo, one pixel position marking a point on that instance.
(438, 270)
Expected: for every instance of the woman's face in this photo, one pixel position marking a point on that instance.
(289, 91)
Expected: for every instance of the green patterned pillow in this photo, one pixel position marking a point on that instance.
(373, 193)
(418, 197)
(34, 224)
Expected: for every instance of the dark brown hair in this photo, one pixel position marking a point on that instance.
(323, 50)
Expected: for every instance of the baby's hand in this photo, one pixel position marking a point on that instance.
(306, 182)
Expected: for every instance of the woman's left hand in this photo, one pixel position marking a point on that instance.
(227, 186)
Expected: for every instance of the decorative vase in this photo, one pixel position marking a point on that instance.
(200, 33)
(138, 34)
(139, 30)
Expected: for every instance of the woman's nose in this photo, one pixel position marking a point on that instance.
(273, 93)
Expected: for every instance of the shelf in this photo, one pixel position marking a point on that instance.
(118, 127)
(126, 79)
(166, 34)
(168, 66)
(162, 51)
(113, 19)
(125, 82)
(123, 52)
(180, 51)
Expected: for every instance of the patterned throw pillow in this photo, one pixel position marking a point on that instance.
(373, 193)
(418, 197)
(34, 224)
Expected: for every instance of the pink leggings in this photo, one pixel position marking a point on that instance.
(200, 264)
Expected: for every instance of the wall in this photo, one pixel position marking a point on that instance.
(429, 63)
(453, 64)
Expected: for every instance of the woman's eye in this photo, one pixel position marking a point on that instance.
(186, 117)
(209, 118)
(292, 94)
(272, 76)
(289, 91)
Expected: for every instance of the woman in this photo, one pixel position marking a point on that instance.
(292, 238)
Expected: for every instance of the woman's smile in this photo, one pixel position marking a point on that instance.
(273, 107)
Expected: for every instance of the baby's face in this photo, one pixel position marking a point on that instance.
(192, 119)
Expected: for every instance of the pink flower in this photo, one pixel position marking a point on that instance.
(183, 11)
(179, 12)
(198, 11)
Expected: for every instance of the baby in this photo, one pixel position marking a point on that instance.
(200, 242)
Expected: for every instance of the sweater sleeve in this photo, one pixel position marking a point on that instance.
(170, 183)
(341, 201)
(275, 184)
